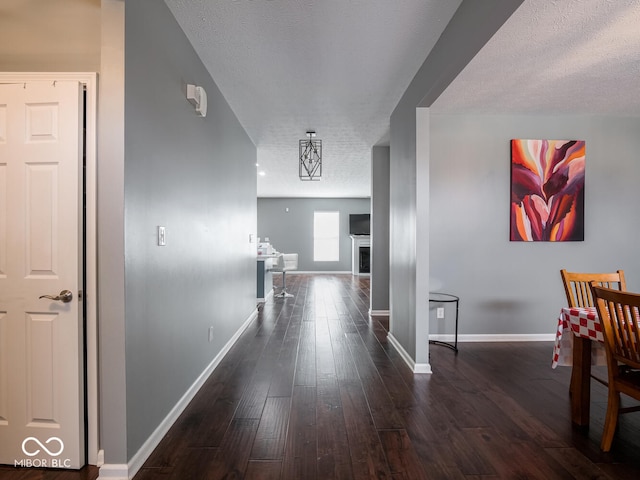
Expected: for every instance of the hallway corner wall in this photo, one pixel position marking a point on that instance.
(380, 167)
(196, 177)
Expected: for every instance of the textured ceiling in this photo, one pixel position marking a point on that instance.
(339, 67)
(563, 56)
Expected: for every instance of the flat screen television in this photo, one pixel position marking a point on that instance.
(359, 224)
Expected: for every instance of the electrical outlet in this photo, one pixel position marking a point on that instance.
(211, 334)
(440, 312)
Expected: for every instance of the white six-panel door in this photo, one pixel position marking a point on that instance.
(41, 391)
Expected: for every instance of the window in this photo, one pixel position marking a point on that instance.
(326, 236)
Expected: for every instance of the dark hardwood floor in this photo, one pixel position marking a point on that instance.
(313, 390)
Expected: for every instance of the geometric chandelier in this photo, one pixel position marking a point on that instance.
(310, 158)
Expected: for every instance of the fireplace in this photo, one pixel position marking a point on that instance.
(360, 255)
(364, 254)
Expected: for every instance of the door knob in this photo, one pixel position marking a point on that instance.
(65, 296)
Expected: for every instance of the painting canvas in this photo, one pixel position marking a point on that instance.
(547, 190)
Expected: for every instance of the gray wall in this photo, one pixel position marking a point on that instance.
(402, 241)
(380, 229)
(195, 176)
(514, 287)
(292, 231)
(469, 29)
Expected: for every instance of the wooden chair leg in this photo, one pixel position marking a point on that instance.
(611, 420)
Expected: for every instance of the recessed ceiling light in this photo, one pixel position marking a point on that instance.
(261, 173)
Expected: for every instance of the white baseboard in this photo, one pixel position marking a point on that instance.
(299, 272)
(508, 337)
(126, 472)
(422, 368)
(378, 313)
(426, 367)
(415, 367)
(100, 458)
(114, 471)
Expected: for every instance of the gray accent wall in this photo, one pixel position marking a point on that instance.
(380, 228)
(288, 223)
(196, 177)
(514, 287)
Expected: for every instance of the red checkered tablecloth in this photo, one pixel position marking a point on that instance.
(582, 322)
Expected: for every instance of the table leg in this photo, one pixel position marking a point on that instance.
(580, 389)
(453, 346)
(456, 334)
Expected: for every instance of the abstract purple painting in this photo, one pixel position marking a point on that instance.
(547, 190)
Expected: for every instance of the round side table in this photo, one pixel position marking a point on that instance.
(436, 297)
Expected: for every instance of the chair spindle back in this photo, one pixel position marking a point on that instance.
(619, 314)
(578, 289)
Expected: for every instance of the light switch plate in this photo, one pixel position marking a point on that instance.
(162, 239)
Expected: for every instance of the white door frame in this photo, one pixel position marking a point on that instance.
(90, 82)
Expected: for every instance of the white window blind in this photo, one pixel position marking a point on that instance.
(326, 236)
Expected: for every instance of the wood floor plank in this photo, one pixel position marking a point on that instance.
(305, 374)
(514, 459)
(233, 456)
(10, 473)
(403, 459)
(577, 464)
(346, 371)
(434, 439)
(334, 460)
(381, 405)
(301, 452)
(284, 374)
(154, 473)
(367, 454)
(192, 463)
(333, 445)
(271, 435)
(254, 398)
(252, 402)
(263, 470)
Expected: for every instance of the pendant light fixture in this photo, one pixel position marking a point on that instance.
(310, 158)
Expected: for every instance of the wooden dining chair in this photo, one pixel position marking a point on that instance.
(578, 290)
(619, 314)
(577, 287)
